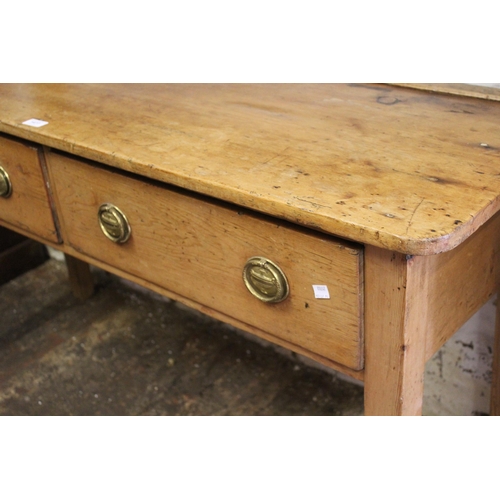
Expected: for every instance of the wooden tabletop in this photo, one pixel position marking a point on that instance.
(405, 169)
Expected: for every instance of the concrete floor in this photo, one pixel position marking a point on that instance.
(127, 351)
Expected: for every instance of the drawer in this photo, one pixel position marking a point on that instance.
(198, 249)
(27, 206)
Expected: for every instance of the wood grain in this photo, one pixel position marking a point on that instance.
(459, 89)
(397, 168)
(28, 206)
(198, 249)
(460, 282)
(401, 170)
(395, 332)
(68, 250)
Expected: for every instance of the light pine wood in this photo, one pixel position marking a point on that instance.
(198, 250)
(68, 250)
(80, 277)
(400, 170)
(355, 374)
(396, 168)
(459, 89)
(460, 282)
(28, 206)
(425, 299)
(395, 332)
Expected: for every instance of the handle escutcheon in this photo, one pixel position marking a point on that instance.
(114, 223)
(265, 280)
(5, 184)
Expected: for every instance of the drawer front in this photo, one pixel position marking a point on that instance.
(24, 200)
(198, 249)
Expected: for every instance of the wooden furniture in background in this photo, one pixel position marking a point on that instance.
(386, 196)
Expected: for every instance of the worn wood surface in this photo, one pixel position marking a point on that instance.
(28, 206)
(400, 170)
(459, 89)
(126, 351)
(395, 332)
(221, 316)
(356, 374)
(397, 168)
(460, 282)
(198, 249)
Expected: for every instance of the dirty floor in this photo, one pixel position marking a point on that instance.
(127, 351)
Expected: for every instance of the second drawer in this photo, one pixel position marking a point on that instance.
(198, 249)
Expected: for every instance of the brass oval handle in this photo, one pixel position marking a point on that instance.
(265, 280)
(114, 223)
(5, 184)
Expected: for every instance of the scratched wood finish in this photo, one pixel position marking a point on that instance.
(198, 250)
(28, 206)
(395, 332)
(68, 250)
(221, 316)
(397, 168)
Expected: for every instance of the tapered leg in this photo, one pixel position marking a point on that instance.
(80, 277)
(395, 332)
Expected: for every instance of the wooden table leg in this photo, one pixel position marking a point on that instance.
(395, 332)
(80, 277)
(495, 376)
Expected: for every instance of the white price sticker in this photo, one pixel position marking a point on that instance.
(33, 122)
(321, 292)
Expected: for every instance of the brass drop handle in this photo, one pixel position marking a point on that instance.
(114, 223)
(5, 184)
(265, 280)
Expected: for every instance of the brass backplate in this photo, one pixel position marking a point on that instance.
(5, 184)
(114, 223)
(265, 280)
